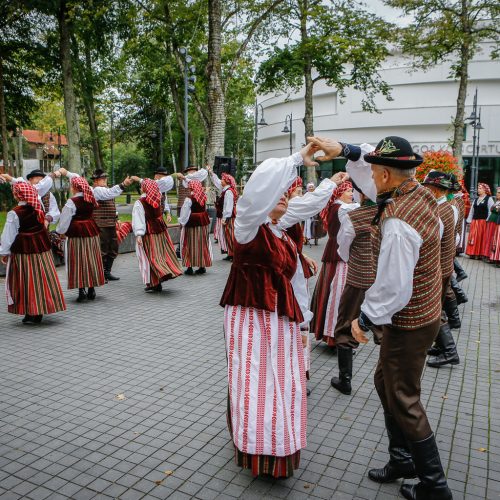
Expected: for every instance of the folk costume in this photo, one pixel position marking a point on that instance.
(457, 201)
(355, 248)
(225, 206)
(263, 308)
(196, 248)
(477, 244)
(444, 350)
(405, 301)
(309, 222)
(155, 251)
(331, 279)
(491, 225)
(495, 242)
(31, 284)
(83, 258)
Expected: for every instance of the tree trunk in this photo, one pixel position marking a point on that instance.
(70, 110)
(216, 97)
(308, 83)
(3, 124)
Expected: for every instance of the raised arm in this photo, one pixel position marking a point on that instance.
(165, 183)
(199, 175)
(216, 181)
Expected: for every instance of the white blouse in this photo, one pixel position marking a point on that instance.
(199, 175)
(67, 213)
(185, 211)
(139, 218)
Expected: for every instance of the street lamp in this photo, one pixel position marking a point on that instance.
(189, 78)
(262, 122)
(475, 120)
(288, 130)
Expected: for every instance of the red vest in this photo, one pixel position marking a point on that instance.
(199, 215)
(82, 224)
(330, 253)
(32, 236)
(154, 218)
(261, 275)
(219, 205)
(296, 233)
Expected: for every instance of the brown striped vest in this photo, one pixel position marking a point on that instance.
(361, 270)
(105, 213)
(448, 248)
(460, 204)
(416, 206)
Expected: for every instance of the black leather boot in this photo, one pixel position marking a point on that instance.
(82, 295)
(189, 271)
(28, 319)
(451, 309)
(400, 463)
(91, 293)
(459, 293)
(107, 270)
(432, 485)
(343, 382)
(459, 271)
(201, 270)
(38, 318)
(448, 354)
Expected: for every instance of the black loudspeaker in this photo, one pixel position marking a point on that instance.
(225, 164)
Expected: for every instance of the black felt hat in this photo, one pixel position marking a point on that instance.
(439, 179)
(99, 174)
(161, 171)
(455, 183)
(190, 167)
(394, 152)
(35, 173)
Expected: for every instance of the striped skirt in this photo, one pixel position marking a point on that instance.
(220, 235)
(495, 245)
(319, 302)
(488, 240)
(476, 243)
(157, 259)
(84, 262)
(229, 236)
(196, 246)
(32, 285)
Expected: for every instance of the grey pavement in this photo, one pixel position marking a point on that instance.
(125, 397)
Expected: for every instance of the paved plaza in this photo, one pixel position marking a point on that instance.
(125, 397)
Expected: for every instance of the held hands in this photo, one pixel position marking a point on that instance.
(339, 177)
(330, 147)
(6, 177)
(127, 181)
(169, 218)
(307, 155)
(134, 178)
(138, 240)
(357, 333)
(62, 171)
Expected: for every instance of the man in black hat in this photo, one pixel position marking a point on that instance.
(405, 301)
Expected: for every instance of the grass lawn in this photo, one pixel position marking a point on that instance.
(3, 216)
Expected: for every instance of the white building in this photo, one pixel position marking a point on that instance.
(422, 110)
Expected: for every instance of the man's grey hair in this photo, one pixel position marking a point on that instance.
(402, 172)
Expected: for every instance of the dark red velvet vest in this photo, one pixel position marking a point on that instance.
(33, 236)
(296, 233)
(219, 206)
(154, 218)
(261, 275)
(82, 224)
(330, 254)
(199, 215)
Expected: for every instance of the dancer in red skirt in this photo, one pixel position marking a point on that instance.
(83, 249)
(479, 213)
(195, 237)
(492, 224)
(328, 289)
(495, 241)
(154, 248)
(32, 285)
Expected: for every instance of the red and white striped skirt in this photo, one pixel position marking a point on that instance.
(267, 382)
(495, 245)
(220, 235)
(196, 246)
(84, 262)
(229, 236)
(32, 285)
(476, 243)
(157, 259)
(488, 240)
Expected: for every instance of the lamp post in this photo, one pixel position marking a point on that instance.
(112, 141)
(189, 78)
(288, 130)
(262, 122)
(475, 120)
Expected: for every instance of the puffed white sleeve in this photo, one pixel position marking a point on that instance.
(67, 213)
(345, 236)
(54, 213)
(302, 207)
(165, 183)
(357, 169)
(70, 175)
(138, 219)
(393, 287)
(227, 209)
(299, 286)
(103, 193)
(199, 175)
(441, 229)
(185, 212)
(44, 186)
(262, 192)
(216, 181)
(9, 233)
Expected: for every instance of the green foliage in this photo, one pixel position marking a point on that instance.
(129, 160)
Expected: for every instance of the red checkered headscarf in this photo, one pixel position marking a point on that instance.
(197, 192)
(486, 188)
(24, 191)
(295, 184)
(153, 195)
(82, 186)
(231, 182)
(337, 193)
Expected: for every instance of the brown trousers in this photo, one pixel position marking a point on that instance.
(397, 377)
(109, 242)
(349, 309)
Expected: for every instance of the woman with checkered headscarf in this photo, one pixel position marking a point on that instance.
(83, 258)
(477, 243)
(32, 285)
